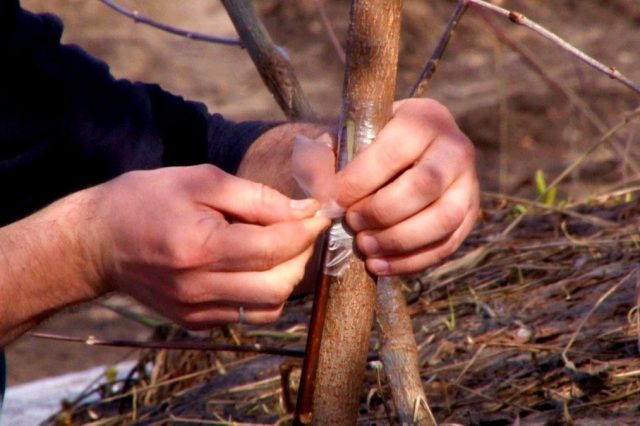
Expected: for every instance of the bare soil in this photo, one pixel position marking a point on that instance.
(539, 128)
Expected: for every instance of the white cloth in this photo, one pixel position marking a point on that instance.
(32, 403)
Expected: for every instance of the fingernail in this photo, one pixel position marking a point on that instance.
(368, 245)
(307, 205)
(378, 266)
(355, 221)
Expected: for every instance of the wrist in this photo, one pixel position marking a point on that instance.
(67, 235)
(49, 260)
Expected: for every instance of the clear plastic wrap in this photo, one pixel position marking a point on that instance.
(313, 166)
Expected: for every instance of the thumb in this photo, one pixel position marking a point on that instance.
(253, 202)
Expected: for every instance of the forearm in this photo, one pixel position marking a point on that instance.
(46, 264)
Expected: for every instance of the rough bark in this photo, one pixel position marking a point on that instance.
(372, 53)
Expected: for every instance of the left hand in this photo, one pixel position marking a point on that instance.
(413, 194)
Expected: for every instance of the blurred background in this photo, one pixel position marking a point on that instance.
(518, 120)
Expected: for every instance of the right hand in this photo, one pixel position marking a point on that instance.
(196, 243)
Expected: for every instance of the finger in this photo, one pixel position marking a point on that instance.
(249, 289)
(448, 157)
(423, 258)
(202, 315)
(399, 144)
(432, 224)
(246, 200)
(247, 247)
(207, 315)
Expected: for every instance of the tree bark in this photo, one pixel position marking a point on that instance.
(372, 54)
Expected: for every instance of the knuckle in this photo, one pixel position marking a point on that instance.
(209, 171)
(274, 315)
(279, 292)
(393, 244)
(180, 253)
(428, 179)
(266, 257)
(262, 196)
(281, 285)
(185, 294)
(349, 189)
(467, 152)
(446, 249)
(452, 216)
(378, 214)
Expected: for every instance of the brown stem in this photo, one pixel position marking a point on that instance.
(399, 354)
(270, 60)
(192, 346)
(368, 96)
(420, 86)
(193, 35)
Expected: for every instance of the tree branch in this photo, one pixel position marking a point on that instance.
(193, 35)
(520, 19)
(183, 346)
(420, 86)
(270, 60)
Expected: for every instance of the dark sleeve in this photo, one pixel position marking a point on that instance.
(66, 123)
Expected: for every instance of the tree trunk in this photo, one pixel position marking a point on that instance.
(372, 54)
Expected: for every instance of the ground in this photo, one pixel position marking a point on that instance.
(498, 101)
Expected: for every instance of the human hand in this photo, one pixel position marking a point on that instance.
(196, 244)
(413, 195)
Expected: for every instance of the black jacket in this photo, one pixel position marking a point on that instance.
(66, 123)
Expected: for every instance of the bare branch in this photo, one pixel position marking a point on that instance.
(193, 35)
(420, 86)
(581, 107)
(520, 19)
(326, 23)
(184, 345)
(271, 61)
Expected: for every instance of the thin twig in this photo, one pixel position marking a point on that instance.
(420, 86)
(581, 107)
(326, 23)
(193, 35)
(192, 346)
(520, 19)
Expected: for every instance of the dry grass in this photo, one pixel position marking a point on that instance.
(491, 335)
